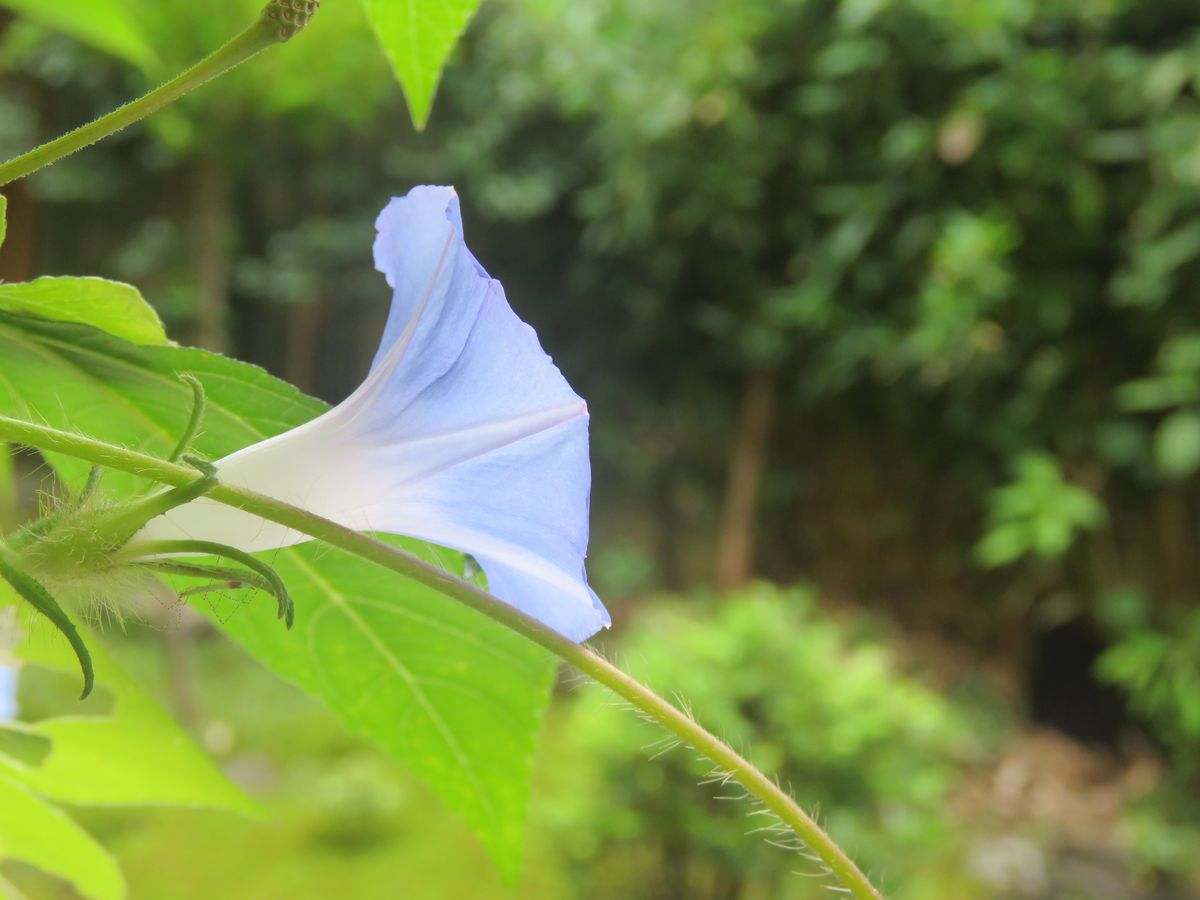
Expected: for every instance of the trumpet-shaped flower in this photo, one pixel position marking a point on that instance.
(464, 434)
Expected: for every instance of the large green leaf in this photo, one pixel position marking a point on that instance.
(456, 696)
(33, 831)
(111, 306)
(417, 37)
(1177, 443)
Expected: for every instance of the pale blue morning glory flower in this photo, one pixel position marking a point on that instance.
(8, 693)
(464, 434)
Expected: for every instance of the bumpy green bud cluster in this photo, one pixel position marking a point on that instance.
(289, 16)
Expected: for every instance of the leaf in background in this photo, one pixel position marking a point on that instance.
(101, 759)
(35, 832)
(454, 695)
(417, 37)
(3, 218)
(1177, 443)
(108, 25)
(111, 306)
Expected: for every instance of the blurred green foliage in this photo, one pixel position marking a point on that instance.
(1161, 671)
(820, 702)
(1155, 658)
(965, 236)
(968, 212)
(1038, 513)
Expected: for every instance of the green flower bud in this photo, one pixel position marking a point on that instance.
(289, 16)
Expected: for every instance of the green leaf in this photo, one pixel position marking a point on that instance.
(84, 379)
(1160, 392)
(108, 25)
(33, 831)
(417, 37)
(447, 690)
(1000, 546)
(101, 759)
(1038, 512)
(1177, 443)
(3, 218)
(110, 306)
(454, 695)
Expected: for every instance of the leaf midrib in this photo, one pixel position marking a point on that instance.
(440, 725)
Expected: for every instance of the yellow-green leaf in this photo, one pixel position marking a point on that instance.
(100, 759)
(110, 306)
(34, 832)
(108, 25)
(417, 37)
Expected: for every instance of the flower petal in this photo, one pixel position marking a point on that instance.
(8, 693)
(464, 433)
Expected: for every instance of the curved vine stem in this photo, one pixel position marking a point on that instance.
(270, 28)
(770, 794)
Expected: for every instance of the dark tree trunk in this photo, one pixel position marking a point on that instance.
(747, 459)
(670, 524)
(212, 218)
(16, 254)
(300, 354)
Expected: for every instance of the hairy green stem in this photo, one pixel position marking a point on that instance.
(770, 794)
(267, 30)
